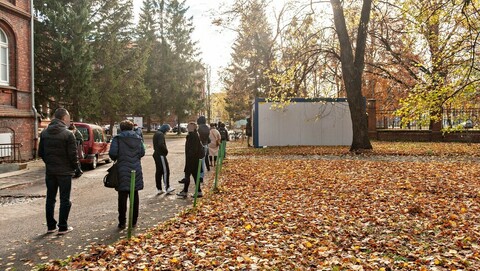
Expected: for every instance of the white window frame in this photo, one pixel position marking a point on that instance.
(4, 63)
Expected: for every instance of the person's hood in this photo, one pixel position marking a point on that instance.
(164, 128)
(130, 134)
(201, 120)
(56, 126)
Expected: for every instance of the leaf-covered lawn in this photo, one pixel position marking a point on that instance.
(285, 212)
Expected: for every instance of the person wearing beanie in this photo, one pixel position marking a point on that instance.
(193, 152)
(160, 153)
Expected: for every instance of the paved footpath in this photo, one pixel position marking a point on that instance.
(93, 214)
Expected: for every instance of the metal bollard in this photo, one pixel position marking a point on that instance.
(132, 200)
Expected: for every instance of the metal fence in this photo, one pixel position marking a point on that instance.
(462, 118)
(10, 153)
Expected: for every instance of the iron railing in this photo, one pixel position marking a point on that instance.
(386, 119)
(10, 152)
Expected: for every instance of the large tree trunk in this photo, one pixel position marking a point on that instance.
(352, 71)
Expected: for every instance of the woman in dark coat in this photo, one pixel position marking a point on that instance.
(194, 151)
(127, 149)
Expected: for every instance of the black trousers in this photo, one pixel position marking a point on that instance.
(187, 180)
(122, 207)
(162, 170)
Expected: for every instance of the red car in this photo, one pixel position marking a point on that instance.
(95, 144)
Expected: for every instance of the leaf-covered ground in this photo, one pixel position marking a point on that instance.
(278, 210)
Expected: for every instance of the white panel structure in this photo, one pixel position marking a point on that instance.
(303, 122)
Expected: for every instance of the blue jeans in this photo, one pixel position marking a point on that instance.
(64, 184)
(205, 157)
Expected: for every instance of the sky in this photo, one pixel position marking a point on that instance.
(215, 43)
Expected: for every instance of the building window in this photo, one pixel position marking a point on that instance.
(3, 58)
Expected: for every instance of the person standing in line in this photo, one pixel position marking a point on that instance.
(79, 143)
(58, 150)
(193, 152)
(127, 149)
(224, 135)
(138, 130)
(162, 169)
(204, 134)
(215, 140)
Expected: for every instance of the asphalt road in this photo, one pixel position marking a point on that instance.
(93, 215)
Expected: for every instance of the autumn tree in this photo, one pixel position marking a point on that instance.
(352, 70)
(448, 68)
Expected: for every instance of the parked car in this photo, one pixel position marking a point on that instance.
(183, 128)
(95, 144)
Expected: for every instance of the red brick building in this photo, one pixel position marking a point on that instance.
(18, 127)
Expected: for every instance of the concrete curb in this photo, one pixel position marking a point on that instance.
(13, 173)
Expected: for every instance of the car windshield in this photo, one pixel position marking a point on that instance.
(84, 132)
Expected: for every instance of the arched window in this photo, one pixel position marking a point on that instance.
(4, 79)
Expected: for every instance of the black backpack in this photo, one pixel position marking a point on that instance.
(223, 134)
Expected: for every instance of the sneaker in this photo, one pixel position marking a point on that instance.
(52, 230)
(170, 190)
(121, 226)
(182, 181)
(201, 180)
(182, 194)
(160, 191)
(69, 229)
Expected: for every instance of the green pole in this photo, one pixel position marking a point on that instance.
(197, 183)
(224, 145)
(217, 167)
(132, 200)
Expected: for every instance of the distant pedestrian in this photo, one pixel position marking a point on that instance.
(138, 130)
(160, 153)
(127, 149)
(79, 140)
(58, 149)
(193, 152)
(215, 140)
(248, 130)
(224, 135)
(204, 134)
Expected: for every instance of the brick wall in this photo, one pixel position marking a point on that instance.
(15, 99)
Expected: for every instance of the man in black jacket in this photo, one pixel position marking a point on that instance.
(161, 163)
(58, 149)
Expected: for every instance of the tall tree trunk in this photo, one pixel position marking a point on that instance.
(352, 71)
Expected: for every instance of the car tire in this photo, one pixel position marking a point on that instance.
(93, 165)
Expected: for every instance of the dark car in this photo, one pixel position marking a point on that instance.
(182, 129)
(95, 144)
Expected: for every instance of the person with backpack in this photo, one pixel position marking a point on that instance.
(224, 136)
(193, 152)
(204, 133)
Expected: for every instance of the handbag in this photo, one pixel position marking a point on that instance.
(111, 179)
